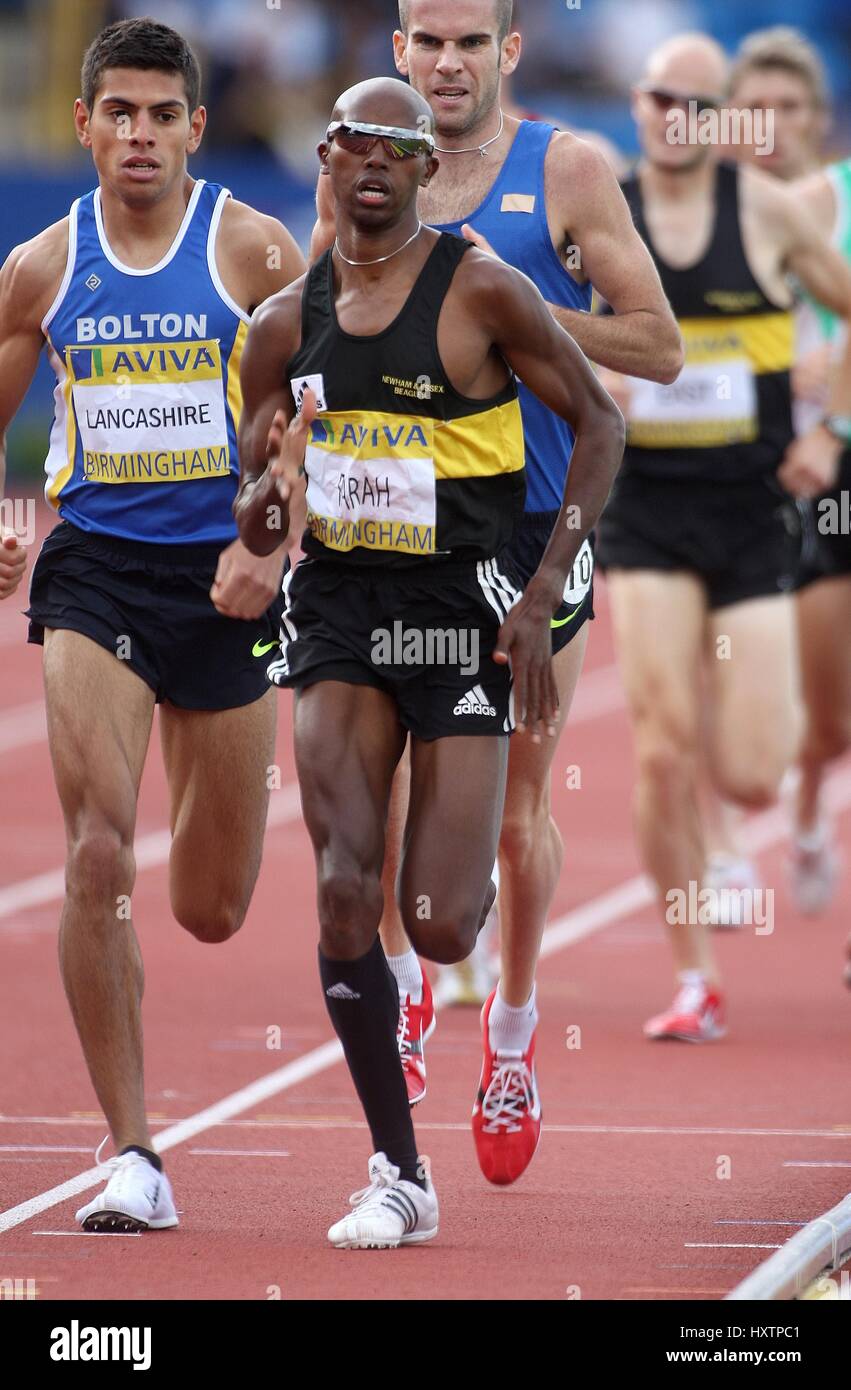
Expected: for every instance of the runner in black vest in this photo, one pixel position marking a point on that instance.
(700, 541)
(400, 621)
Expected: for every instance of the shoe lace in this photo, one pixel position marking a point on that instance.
(383, 1175)
(508, 1096)
(403, 1032)
(116, 1168)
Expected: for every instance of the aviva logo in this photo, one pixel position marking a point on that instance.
(367, 435)
(152, 362)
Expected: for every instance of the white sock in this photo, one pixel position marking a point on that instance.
(510, 1029)
(694, 978)
(408, 974)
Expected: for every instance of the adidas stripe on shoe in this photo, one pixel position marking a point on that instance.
(388, 1213)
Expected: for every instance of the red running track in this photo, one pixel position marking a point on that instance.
(627, 1197)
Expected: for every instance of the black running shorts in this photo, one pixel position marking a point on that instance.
(150, 605)
(743, 540)
(523, 556)
(424, 634)
(829, 554)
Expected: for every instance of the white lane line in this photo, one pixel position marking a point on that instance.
(343, 1122)
(756, 1221)
(766, 829)
(727, 1245)
(816, 1163)
(129, 1235)
(45, 1148)
(242, 1153)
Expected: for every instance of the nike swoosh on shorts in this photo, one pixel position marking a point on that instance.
(561, 622)
(261, 648)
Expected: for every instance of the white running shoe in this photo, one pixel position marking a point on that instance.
(813, 870)
(388, 1213)
(136, 1198)
(472, 981)
(733, 882)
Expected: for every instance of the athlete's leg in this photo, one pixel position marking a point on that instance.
(218, 764)
(97, 763)
(530, 845)
(451, 839)
(348, 740)
(659, 620)
(394, 938)
(824, 622)
(754, 698)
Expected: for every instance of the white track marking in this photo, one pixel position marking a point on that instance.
(727, 1245)
(242, 1153)
(131, 1235)
(45, 1148)
(340, 1122)
(816, 1163)
(763, 830)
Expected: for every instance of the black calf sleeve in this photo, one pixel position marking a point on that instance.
(363, 1002)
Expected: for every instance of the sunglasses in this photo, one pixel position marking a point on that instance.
(359, 138)
(666, 101)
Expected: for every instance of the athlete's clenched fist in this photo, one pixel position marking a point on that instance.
(13, 562)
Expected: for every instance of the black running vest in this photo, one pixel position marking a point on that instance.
(400, 467)
(729, 413)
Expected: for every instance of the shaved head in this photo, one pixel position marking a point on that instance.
(385, 101)
(690, 63)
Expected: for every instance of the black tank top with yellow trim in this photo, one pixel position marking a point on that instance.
(401, 468)
(729, 413)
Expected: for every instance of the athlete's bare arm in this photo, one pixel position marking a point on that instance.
(817, 195)
(262, 514)
(29, 281)
(589, 216)
(811, 371)
(811, 462)
(802, 247)
(256, 255)
(549, 362)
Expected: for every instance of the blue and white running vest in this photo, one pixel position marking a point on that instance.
(147, 399)
(513, 218)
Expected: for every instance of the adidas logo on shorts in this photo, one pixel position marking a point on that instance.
(475, 702)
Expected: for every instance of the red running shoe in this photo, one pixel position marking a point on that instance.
(416, 1025)
(507, 1112)
(696, 1015)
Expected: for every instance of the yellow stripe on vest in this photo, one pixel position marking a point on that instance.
(766, 340)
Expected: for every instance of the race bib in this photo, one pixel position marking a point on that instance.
(150, 412)
(713, 401)
(579, 579)
(371, 482)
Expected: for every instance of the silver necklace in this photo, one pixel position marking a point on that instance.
(438, 149)
(379, 259)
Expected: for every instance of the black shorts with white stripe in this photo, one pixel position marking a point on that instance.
(523, 556)
(423, 634)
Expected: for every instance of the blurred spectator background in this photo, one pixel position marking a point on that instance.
(273, 68)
